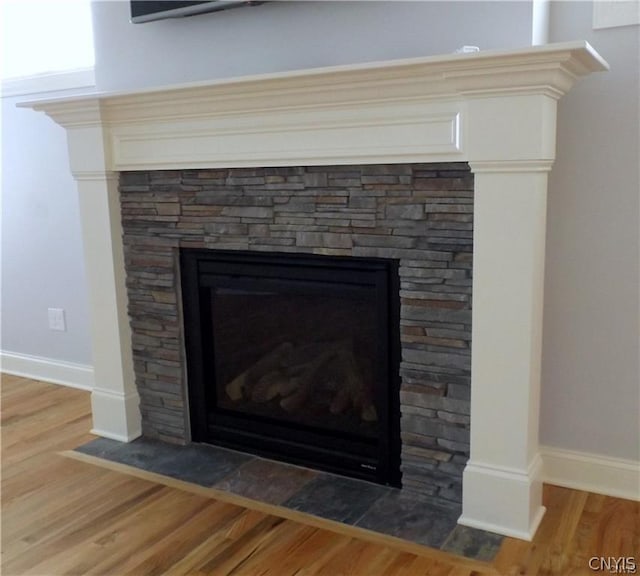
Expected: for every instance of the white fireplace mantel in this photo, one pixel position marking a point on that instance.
(496, 110)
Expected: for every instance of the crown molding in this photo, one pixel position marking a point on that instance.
(38, 84)
(549, 69)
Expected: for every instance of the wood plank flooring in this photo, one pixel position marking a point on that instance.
(66, 516)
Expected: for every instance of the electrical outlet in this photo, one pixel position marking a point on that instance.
(56, 319)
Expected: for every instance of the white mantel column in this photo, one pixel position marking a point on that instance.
(502, 487)
(114, 398)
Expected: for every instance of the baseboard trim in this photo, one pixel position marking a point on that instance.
(47, 370)
(591, 472)
(526, 535)
(116, 415)
(113, 436)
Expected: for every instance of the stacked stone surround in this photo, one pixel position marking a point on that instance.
(419, 214)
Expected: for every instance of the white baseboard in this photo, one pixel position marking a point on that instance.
(591, 472)
(116, 415)
(47, 370)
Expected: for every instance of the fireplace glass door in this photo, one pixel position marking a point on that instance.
(295, 357)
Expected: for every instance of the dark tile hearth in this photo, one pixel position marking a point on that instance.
(399, 513)
(202, 465)
(266, 480)
(342, 499)
(410, 517)
(473, 543)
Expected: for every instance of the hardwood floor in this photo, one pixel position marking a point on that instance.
(66, 516)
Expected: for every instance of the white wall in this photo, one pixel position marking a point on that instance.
(591, 382)
(42, 261)
(280, 36)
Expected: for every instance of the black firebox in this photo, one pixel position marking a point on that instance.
(295, 357)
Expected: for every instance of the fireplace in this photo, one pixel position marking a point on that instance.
(495, 110)
(295, 357)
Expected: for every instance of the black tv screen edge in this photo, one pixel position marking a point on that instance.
(150, 10)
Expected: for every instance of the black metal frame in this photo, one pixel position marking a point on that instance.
(377, 459)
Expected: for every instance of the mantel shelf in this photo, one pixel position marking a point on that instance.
(551, 67)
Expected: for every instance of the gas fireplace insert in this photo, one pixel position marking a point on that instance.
(295, 357)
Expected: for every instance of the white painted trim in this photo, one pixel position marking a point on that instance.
(591, 472)
(326, 135)
(550, 69)
(503, 499)
(112, 435)
(47, 369)
(115, 414)
(500, 529)
(81, 78)
(540, 22)
(114, 399)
